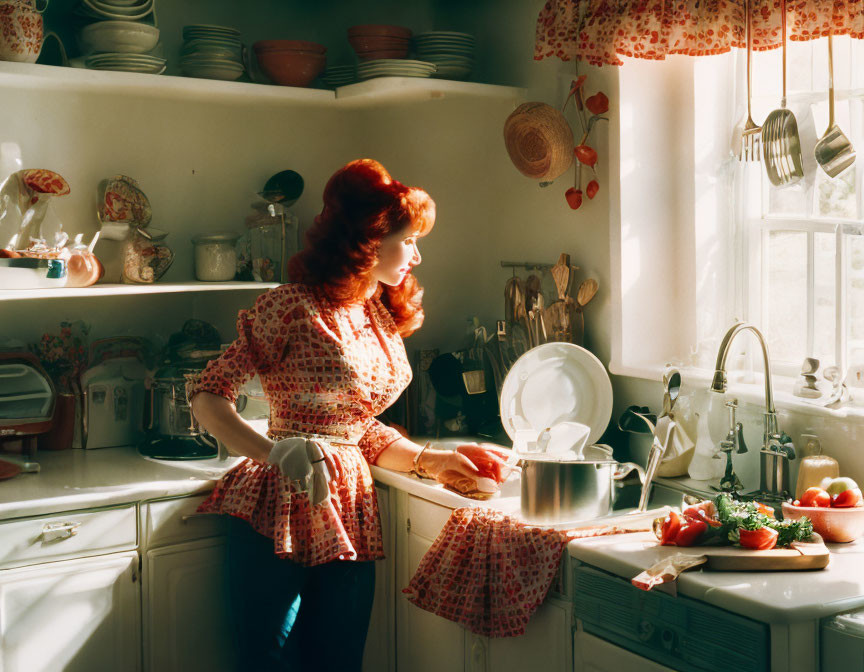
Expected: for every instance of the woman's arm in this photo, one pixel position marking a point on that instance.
(220, 418)
(399, 456)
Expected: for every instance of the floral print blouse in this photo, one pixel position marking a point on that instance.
(327, 371)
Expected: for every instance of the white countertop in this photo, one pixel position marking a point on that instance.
(771, 597)
(80, 479)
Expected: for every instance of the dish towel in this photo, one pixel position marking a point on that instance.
(490, 572)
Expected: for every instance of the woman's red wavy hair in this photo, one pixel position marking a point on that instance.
(363, 205)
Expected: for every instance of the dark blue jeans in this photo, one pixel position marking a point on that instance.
(294, 618)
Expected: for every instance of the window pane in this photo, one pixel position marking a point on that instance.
(855, 300)
(785, 295)
(824, 297)
(836, 198)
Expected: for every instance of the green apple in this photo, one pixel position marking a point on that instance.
(834, 486)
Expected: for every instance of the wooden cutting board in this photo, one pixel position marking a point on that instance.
(810, 555)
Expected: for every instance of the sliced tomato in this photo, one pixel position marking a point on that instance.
(846, 499)
(762, 539)
(705, 512)
(690, 533)
(669, 530)
(815, 497)
(765, 509)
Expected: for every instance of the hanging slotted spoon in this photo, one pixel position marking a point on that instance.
(834, 152)
(781, 145)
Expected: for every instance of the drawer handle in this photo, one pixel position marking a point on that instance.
(59, 531)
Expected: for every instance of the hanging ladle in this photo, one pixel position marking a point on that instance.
(781, 145)
(834, 152)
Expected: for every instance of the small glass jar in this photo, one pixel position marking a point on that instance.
(145, 258)
(273, 239)
(215, 256)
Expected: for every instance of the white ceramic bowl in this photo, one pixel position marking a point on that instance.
(129, 37)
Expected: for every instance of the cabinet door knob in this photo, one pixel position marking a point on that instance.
(59, 531)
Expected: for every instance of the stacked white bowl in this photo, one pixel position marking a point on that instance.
(123, 10)
(394, 67)
(119, 39)
(211, 52)
(452, 52)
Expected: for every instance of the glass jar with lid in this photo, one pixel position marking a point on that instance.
(273, 239)
(215, 256)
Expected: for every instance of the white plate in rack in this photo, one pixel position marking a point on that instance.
(552, 383)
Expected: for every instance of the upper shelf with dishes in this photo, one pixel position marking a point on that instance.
(115, 45)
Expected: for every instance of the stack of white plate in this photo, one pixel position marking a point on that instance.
(211, 52)
(394, 67)
(126, 63)
(339, 75)
(452, 52)
(124, 10)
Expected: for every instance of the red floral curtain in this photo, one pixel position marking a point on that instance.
(599, 31)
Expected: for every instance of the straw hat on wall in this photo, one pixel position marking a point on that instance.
(539, 141)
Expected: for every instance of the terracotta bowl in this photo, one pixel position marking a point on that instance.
(380, 29)
(375, 43)
(291, 68)
(834, 524)
(290, 45)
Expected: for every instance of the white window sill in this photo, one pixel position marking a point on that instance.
(754, 393)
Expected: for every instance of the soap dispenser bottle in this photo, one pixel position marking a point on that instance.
(814, 466)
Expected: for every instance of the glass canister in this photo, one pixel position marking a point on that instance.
(145, 257)
(215, 256)
(273, 239)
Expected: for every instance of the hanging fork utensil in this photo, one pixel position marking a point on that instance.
(751, 135)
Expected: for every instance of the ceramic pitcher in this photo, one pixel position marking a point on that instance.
(21, 30)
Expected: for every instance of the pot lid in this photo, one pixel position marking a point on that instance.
(216, 237)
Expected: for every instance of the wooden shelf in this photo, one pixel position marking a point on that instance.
(403, 89)
(123, 290)
(386, 90)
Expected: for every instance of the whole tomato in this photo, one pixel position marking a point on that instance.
(815, 497)
(847, 498)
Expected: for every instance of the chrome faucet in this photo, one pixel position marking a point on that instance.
(776, 449)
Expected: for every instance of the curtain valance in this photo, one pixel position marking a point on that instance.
(600, 31)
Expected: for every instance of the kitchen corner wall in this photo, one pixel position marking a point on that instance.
(201, 165)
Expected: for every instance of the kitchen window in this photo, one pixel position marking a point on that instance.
(702, 239)
(801, 247)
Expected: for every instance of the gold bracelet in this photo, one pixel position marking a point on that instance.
(417, 470)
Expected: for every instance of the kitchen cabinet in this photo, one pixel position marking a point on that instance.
(425, 641)
(187, 619)
(73, 615)
(592, 654)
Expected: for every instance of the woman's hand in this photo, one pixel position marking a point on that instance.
(437, 462)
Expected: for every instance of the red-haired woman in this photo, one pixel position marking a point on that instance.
(329, 352)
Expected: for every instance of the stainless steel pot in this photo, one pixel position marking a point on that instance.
(555, 491)
(170, 413)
